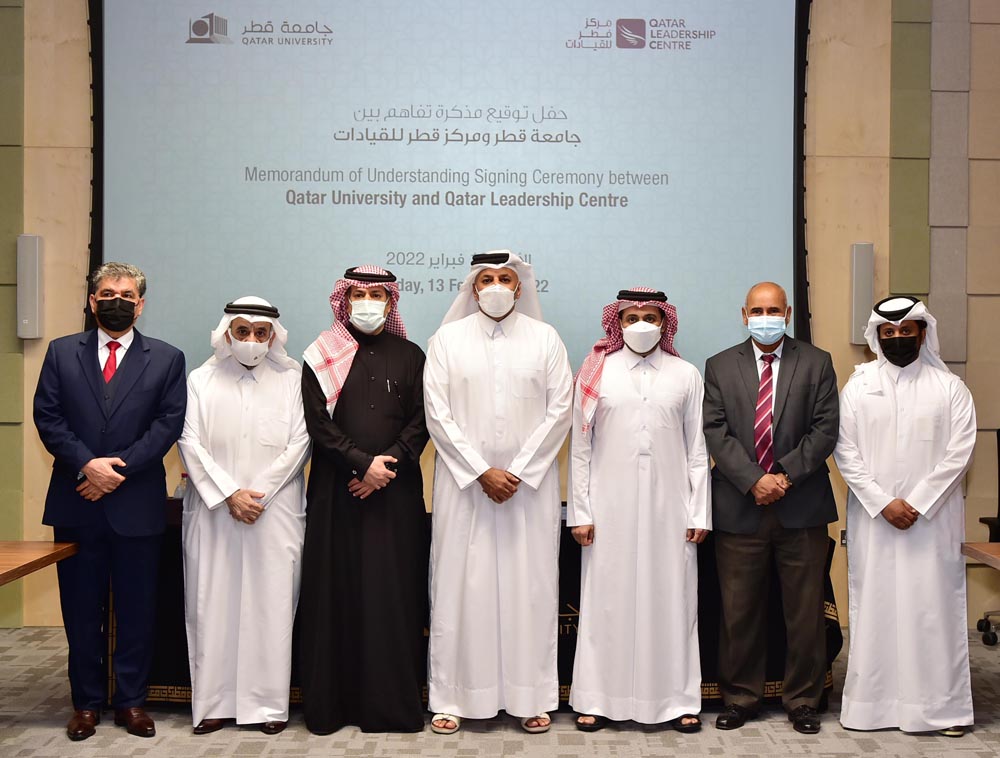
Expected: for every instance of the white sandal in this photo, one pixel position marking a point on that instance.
(445, 729)
(537, 729)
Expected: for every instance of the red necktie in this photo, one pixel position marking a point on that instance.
(763, 441)
(112, 363)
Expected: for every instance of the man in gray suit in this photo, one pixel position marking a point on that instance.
(771, 421)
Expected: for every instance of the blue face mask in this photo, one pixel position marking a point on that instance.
(766, 329)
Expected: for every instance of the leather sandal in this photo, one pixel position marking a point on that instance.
(599, 722)
(456, 720)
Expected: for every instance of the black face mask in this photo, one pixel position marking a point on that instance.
(901, 351)
(115, 314)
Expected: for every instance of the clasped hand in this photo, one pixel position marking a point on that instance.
(100, 478)
(245, 506)
(376, 477)
(499, 485)
(770, 488)
(900, 514)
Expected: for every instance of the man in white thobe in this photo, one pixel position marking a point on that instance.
(639, 504)
(907, 430)
(244, 446)
(497, 388)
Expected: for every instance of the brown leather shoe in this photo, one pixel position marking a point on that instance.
(207, 726)
(81, 726)
(136, 721)
(273, 727)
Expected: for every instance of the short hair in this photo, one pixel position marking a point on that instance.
(115, 270)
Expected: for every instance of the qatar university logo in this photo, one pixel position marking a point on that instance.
(209, 29)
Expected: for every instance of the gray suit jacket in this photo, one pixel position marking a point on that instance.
(806, 423)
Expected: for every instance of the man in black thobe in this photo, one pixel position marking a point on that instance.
(363, 603)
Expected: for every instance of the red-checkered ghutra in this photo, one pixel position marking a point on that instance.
(763, 441)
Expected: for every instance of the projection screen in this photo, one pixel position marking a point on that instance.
(262, 147)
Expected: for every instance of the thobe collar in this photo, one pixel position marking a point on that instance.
(240, 373)
(654, 360)
(103, 338)
(757, 352)
(902, 373)
(364, 339)
(489, 326)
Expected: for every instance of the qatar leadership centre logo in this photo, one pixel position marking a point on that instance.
(209, 29)
(631, 33)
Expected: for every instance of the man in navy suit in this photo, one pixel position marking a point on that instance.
(109, 404)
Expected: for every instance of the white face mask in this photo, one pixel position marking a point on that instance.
(368, 315)
(641, 337)
(496, 300)
(250, 353)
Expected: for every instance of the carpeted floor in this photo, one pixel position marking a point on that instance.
(34, 707)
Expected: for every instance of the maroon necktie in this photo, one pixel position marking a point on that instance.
(763, 441)
(112, 363)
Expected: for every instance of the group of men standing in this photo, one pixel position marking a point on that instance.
(497, 396)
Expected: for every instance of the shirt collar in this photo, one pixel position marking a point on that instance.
(653, 360)
(757, 352)
(103, 338)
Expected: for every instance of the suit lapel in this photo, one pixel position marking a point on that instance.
(748, 371)
(135, 363)
(89, 364)
(789, 360)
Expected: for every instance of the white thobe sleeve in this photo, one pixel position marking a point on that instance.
(851, 464)
(534, 460)
(699, 473)
(450, 442)
(272, 479)
(212, 483)
(927, 496)
(578, 512)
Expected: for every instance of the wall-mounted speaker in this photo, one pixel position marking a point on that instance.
(862, 289)
(29, 286)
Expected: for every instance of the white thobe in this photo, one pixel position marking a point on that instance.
(640, 475)
(906, 433)
(496, 395)
(243, 430)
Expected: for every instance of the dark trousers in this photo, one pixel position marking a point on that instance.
(744, 562)
(128, 565)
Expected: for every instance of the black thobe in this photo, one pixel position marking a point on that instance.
(363, 604)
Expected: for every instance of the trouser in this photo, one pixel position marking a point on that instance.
(128, 565)
(744, 562)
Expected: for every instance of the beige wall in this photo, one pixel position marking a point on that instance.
(981, 223)
(847, 176)
(57, 173)
(847, 181)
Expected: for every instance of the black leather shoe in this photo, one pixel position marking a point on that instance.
(136, 722)
(734, 717)
(81, 726)
(273, 727)
(207, 726)
(805, 719)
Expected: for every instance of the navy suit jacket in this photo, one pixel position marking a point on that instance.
(806, 424)
(144, 420)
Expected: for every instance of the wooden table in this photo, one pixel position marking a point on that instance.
(19, 558)
(984, 552)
